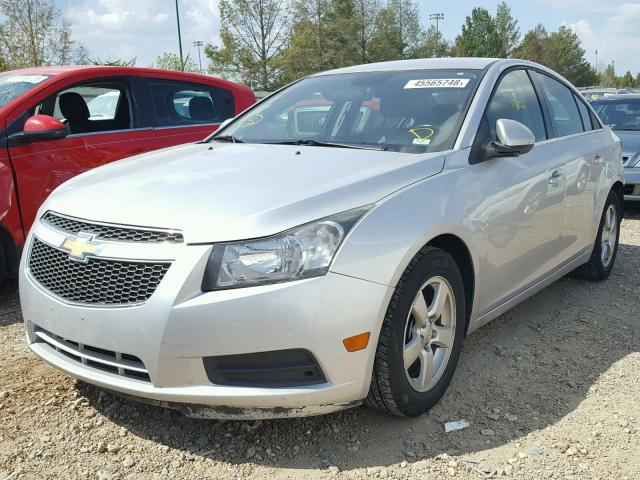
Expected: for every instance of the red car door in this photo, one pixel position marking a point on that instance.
(185, 111)
(100, 118)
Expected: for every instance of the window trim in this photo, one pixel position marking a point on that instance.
(584, 126)
(573, 91)
(497, 83)
(129, 87)
(152, 119)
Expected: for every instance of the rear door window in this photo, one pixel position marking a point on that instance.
(181, 103)
(565, 116)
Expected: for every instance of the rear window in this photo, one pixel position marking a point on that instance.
(623, 114)
(181, 103)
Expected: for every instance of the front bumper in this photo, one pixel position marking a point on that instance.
(180, 325)
(632, 184)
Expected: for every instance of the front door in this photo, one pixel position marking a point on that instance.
(522, 215)
(99, 116)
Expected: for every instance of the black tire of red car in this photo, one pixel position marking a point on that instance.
(595, 269)
(390, 390)
(3, 264)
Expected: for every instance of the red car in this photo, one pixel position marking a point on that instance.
(58, 122)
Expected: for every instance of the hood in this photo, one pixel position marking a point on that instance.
(220, 192)
(630, 141)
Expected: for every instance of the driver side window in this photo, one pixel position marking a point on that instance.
(515, 99)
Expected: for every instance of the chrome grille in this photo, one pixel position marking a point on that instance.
(110, 232)
(117, 363)
(96, 282)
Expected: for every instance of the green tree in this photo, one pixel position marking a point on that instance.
(534, 45)
(627, 80)
(254, 33)
(398, 34)
(365, 27)
(608, 77)
(636, 82)
(560, 51)
(171, 61)
(507, 30)
(322, 38)
(116, 62)
(33, 33)
(433, 44)
(479, 36)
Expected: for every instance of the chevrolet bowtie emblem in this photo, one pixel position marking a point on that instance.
(81, 246)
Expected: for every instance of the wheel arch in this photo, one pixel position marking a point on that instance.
(618, 188)
(459, 251)
(11, 251)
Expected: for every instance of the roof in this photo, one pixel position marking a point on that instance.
(467, 63)
(120, 71)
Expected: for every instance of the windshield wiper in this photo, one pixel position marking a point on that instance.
(316, 143)
(628, 129)
(227, 138)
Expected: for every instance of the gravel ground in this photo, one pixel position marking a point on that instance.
(551, 390)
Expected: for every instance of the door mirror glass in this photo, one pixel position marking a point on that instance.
(39, 128)
(514, 139)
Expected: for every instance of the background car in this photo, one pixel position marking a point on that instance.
(622, 114)
(60, 121)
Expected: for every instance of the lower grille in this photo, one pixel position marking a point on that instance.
(628, 189)
(117, 363)
(97, 282)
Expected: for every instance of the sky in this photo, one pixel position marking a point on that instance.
(147, 28)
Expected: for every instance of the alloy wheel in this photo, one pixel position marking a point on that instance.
(609, 235)
(429, 334)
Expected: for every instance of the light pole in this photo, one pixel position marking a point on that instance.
(437, 17)
(179, 37)
(596, 61)
(199, 43)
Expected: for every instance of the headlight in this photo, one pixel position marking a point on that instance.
(302, 252)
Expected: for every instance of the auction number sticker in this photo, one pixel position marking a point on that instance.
(438, 83)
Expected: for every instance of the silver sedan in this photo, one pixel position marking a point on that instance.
(332, 245)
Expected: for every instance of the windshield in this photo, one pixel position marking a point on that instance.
(407, 111)
(12, 85)
(623, 114)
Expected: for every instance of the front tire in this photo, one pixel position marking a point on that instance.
(605, 249)
(421, 336)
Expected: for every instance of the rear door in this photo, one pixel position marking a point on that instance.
(101, 118)
(184, 111)
(582, 149)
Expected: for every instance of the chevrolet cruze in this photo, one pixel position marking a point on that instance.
(332, 245)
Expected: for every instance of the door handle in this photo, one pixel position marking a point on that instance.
(598, 159)
(555, 178)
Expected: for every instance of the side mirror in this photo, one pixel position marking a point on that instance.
(39, 128)
(514, 139)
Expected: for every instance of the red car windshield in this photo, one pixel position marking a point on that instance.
(13, 85)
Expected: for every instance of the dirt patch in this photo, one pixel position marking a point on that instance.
(551, 390)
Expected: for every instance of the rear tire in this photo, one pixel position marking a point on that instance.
(3, 264)
(605, 249)
(421, 336)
